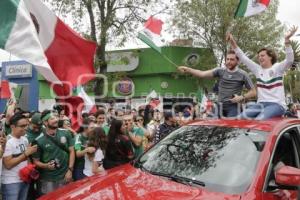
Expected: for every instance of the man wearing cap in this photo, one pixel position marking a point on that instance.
(55, 156)
(35, 127)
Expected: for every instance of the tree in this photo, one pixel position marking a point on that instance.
(207, 22)
(292, 77)
(296, 47)
(110, 21)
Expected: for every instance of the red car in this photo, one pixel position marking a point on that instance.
(211, 160)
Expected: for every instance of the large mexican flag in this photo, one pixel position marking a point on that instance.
(251, 7)
(30, 31)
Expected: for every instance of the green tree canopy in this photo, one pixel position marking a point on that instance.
(207, 21)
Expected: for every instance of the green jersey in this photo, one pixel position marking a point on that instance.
(106, 129)
(138, 150)
(31, 136)
(49, 151)
(80, 144)
(7, 129)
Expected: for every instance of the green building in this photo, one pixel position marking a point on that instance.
(133, 74)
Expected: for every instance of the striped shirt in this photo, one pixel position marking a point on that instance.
(269, 84)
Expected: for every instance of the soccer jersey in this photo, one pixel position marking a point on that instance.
(269, 84)
(138, 150)
(31, 136)
(80, 144)
(14, 147)
(49, 151)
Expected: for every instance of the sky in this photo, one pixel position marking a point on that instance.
(288, 14)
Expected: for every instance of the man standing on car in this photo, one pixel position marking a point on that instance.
(232, 79)
(55, 156)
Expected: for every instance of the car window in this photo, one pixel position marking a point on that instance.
(286, 152)
(223, 158)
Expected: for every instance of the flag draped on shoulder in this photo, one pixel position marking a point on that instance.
(251, 7)
(151, 33)
(30, 31)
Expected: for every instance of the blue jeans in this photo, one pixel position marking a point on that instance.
(78, 174)
(15, 191)
(227, 109)
(262, 111)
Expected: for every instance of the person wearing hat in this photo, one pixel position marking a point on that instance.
(35, 127)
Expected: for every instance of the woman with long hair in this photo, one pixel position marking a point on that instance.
(119, 149)
(93, 161)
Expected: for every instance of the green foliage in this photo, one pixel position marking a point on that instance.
(207, 21)
(292, 83)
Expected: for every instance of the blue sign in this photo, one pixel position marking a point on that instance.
(22, 73)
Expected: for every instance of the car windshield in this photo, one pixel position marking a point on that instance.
(220, 158)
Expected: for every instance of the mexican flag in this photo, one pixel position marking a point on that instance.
(77, 104)
(30, 31)
(89, 105)
(251, 7)
(151, 33)
(5, 92)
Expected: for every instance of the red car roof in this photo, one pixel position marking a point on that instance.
(262, 125)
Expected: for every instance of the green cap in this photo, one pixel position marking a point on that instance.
(36, 119)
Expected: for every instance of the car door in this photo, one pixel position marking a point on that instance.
(287, 152)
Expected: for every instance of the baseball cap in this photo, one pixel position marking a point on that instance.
(36, 119)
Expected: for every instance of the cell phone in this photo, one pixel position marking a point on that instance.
(34, 142)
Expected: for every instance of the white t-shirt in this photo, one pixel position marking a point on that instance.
(88, 164)
(15, 147)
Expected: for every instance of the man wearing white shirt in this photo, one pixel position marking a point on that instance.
(15, 158)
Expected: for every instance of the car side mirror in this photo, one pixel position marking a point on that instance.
(287, 176)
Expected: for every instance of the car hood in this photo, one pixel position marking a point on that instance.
(127, 182)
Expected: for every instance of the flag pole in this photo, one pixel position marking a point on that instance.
(169, 60)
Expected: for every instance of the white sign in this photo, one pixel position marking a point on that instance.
(22, 70)
(121, 61)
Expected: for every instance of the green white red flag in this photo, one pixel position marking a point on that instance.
(5, 92)
(248, 8)
(30, 31)
(151, 33)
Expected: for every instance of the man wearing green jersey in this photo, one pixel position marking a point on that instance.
(55, 156)
(81, 148)
(35, 127)
(135, 134)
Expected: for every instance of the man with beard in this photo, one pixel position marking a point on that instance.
(55, 156)
(231, 83)
(32, 132)
(35, 127)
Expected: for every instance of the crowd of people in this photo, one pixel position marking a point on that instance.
(41, 152)
(106, 139)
